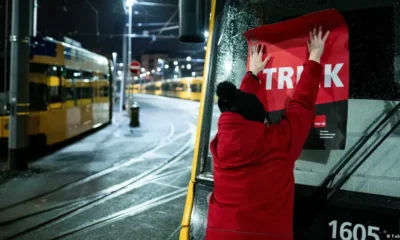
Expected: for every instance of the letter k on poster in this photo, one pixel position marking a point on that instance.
(286, 43)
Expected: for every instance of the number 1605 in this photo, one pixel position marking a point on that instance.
(356, 232)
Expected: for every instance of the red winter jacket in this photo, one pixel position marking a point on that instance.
(253, 166)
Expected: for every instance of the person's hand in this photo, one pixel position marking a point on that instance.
(317, 44)
(256, 62)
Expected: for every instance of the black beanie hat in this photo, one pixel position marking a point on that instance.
(231, 99)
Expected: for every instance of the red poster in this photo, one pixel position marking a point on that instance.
(286, 44)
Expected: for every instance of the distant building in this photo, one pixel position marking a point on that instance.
(150, 61)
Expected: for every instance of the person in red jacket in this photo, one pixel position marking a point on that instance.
(253, 193)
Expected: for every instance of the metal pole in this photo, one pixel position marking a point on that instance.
(6, 35)
(124, 71)
(19, 85)
(114, 73)
(129, 36)
(34, 22)
(129, 60)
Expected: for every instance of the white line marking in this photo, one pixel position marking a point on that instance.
(167, 185)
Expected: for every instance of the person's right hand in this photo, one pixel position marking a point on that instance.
(317, 44)
(256, 62)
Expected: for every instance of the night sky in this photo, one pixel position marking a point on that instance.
(77, 19)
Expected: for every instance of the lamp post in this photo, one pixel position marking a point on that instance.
(114, 72)
(126, 59)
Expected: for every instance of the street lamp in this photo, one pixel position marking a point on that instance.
(127, 59)
(114, 56)
(189, 59)
(129, 3)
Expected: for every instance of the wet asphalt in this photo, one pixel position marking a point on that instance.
(118, 183)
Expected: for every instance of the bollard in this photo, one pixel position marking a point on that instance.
(134, 115)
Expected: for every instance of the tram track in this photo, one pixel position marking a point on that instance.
(102, 172)
(83, 200)
(119, 189)
(123, 214)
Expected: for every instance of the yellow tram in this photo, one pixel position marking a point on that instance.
(69, 92)
(184, 88)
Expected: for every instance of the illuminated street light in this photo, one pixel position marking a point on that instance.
(189, 66)
(153, 71)
(175, 76)
(158, 69)
(119, 72)
(206, 34)
(114, 54)
(121, 64)
(143, 70)
(205, 47)
(148, 73)
(193, 74)
(183, 66)
(129, 3)
(176, 69)
(166, 66)
(189, 59)
(135, 78)
(175, 63)
(159, 60)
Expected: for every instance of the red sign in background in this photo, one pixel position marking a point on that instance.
(135, 67)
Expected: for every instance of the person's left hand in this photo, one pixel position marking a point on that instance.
(256, 62)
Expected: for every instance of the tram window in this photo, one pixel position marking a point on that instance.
(55, 94)
(374, 85)
(195, 87)
(87, 92)
(179, 87)
(78, 91)
(72, 74)
(87, 75)
(150, 88)
(69, 93)
(165, 87)
(42, 69)
(104, 92)
(37, 96)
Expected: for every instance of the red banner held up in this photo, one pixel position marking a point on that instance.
(286, 43)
